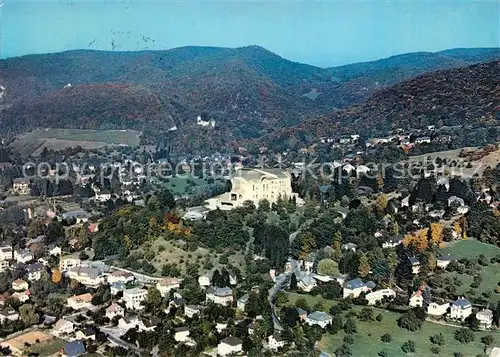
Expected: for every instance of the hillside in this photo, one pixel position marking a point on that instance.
(462, 96)
(248, 91)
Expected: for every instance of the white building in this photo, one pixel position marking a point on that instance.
(229, 345)
(355, 287)
(254, 185)
(181, 334)
(67, 262)
(114, 310)
(165, 285)
(20, 285)
(63, 326)
(204, 281)
(319, 318)
(242, 302)
(133, 298)
(23, 256)
(8, 314)
(21, 186)
(78, 302)
(378, 295)
(191, 310)
(102, 196)
(120, 276)
(276, 341)
(485, 318)
(221, 296)
(444, 260)
(438, 308)
(34, 271)
(460, 309)
(88, 276)
(6, 252)
(416, 299)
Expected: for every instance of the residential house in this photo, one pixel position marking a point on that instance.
(444, 260)
(78, 302)
(89, 276)
(56, 251)
(114, 310)
(415, 265)
(276, 341)
(460, 309)
(204, 281)
(229, 346)
(148, 325)
(86, 333)
(21, 185)
(79, 216)
(128, 322)
(355, 287)
(181, 334)
(242, 302)
(4, 265)
(302, 314)
(221, 326)
(305, 280)
(74, 349)
(133, 298)
(115, 288)
(349, 246)
(319, 318)
(416, 299)
(8, 314)
(191, 310)
(485, 318)
(23, 256)
(221, 296)
(120, 276)
(20, 285)
(423, 140)
(393, 242)
(165, 285)
(67, 262)
(34, 271)
(62, 327)
(437, 308)
(378, 295)
(21, 296)
(102, 196)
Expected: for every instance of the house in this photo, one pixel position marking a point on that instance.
(276, 341)
(20, 285)
(251, 328)
(439, 213)
(460, 309)
(204, 281)
(165, 285)
(242, 302)
(305, 281)
(393, 242)
(378, 295)
(120, 276)
(128, 322)
(485, 318)
(436, 308)
(23, 256)
(254, 184)
(181, 334)
(89, 276)
(416, 299)
(63, 326)
(415, 265)
(4, 265)
(22, 296)
(349, 246)
(229, 345)
(115, 288)
(78, 302)
(423, 140)
(148, 325)
(102, 196)
(6, 252)
(221, 296)
(67, 262)
(74, 349)
(79, 216)
(34, 271)
(221, 326)
(319, 318)
(133, 298)
(56, 251)
(86, 333)
(444, 260)
(114, 310)
(191, 310)
(8, 314)
(21, 186)
(355, 287)
(302, 314)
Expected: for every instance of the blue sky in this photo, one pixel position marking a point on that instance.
(324, 33)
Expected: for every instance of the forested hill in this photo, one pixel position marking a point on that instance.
(248, 91)
(463, 96)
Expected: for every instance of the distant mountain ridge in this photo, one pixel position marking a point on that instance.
(248, 91)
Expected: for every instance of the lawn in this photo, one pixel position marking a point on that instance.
(179, 184)
(491, 273)
(367, 341)
(48, 348)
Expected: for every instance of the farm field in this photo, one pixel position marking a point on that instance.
(57, 139)
(491, 273)
(367, 341)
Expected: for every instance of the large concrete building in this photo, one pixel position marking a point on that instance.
(253, 184)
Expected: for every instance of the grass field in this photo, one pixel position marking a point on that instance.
(178, 184)
(490, 274)
(367, 341)
(48, 348)
(57, 139)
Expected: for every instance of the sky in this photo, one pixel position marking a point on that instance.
(327, 33)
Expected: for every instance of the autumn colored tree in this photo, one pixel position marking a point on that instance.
(382, 201)
(417, 240)
(437, 230)
(56, 276)
(380, 182)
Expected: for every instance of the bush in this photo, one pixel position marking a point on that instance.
(350, 327)
(464, 335)
(348, 339)
(437, 339)
(408, 347)
(435, 350)
(379, 317)
(386, 338)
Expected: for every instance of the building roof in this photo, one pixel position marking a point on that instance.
(486, 313)
(319, 316)
(462, 303)
(82, 298)
(31, 268)
(168, 282)
(221, 292)
(244, 299)
(232, 341)
(88, 331)
(446, 258)
(354, 284)
(181, 329)
(74, 348)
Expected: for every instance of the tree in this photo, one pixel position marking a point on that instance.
(437, 230)
(305, 243)
(488, 340)
(382, 201)
(408, 347)
(350, 326)
(363, 266)
(366, 314)
(302, 304)
(293, 282)
(409, 321)
(28, 315)
(437, 339)
(419, 240)
(56, 276)
(464, 335)
(472, 322)
(280, 299)
(435, 350)
(337, 324)
(153, 301)
(392, 263)
(328, 267)
(386, 338)
(380, 182)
